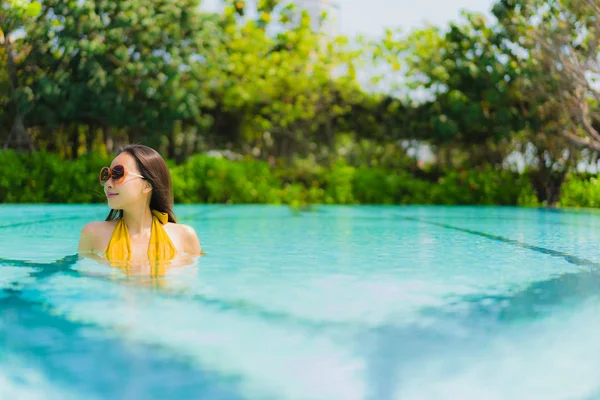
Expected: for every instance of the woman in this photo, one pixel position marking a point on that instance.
(140, 226)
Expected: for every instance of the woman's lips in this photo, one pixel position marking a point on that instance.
(109, 195)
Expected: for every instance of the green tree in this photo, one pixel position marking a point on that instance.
(281, 93)
(552, 46)
(13, 16)
(115, 66)
(560, 41)
(475, 104)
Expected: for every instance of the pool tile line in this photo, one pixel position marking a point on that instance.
(543, 250)
(465, 217)
(42, 221)
(193, 216)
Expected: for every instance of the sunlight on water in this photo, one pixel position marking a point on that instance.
(338, 303)
(28, 384)
(552, 359)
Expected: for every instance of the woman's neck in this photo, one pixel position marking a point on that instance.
(138, 221)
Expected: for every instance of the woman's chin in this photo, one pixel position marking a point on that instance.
(113, 203)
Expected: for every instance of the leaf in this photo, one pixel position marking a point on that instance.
(33, 9)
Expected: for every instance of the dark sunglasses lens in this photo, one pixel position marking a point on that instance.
(117, 172)
(104, 175)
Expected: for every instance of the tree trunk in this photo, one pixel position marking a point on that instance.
(547, 185)
(547, 180)
(51, 146)
(174, 131)
(284, 147)
(18, 137)
(74, 141)
(108, 139)
(330, 135)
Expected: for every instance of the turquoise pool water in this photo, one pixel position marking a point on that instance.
(336, 303)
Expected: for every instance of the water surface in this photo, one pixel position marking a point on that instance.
(332, 303)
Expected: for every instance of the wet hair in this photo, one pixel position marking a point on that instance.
(154, 170)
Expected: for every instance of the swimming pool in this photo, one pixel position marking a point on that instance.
(336, 302)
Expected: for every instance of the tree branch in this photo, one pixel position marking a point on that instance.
(579, 141)
(584, 117)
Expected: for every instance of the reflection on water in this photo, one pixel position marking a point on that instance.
(143, 272)
(462, 333)
(433, 306)
(50, 356)
(535, 300)
(140, 272)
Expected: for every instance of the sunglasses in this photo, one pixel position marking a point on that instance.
(117, 173)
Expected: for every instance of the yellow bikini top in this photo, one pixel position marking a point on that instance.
(160, 248)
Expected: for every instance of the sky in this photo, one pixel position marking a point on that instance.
(371, 17)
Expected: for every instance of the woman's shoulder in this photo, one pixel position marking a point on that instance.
(98, 229)
(95, 235)
(186, 236)
(180, 229)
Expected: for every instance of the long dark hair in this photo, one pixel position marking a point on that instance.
(154, 169)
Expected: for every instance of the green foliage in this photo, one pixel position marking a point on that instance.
(14, 13)
(555, 47)
(46, 178)
(474, 87)
(278, 94)
(126, 55)
(82, 77)
(165, 72)
(338, 183)
(487, 186)
(380, 186)
(4, 95)
(213, 180)
(43, 178)
(580, 192)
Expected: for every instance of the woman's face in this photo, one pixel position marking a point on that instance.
(131, 191)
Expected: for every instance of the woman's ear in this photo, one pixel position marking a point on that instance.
(147, 187)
